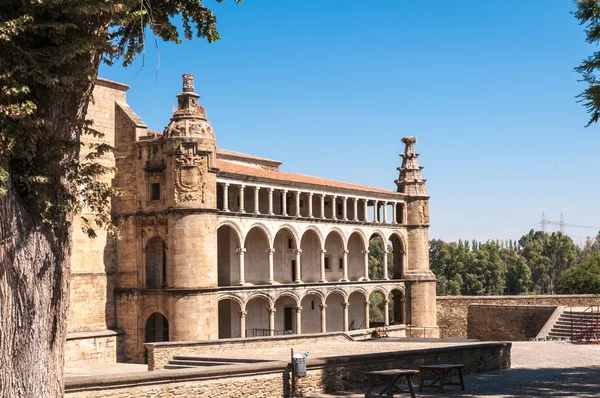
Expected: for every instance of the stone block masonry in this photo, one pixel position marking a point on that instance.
(506, 322)
(272, 379)
(452, 311)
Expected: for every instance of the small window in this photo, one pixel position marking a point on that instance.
(155, 191)
(327, 263)
(312, 304)
(290, 245)
(341, 263)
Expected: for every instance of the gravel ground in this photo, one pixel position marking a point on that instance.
(539, 369)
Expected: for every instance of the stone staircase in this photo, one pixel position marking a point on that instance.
(580, 324)
(186, 362)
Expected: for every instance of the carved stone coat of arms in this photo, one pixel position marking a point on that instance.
(189, 174)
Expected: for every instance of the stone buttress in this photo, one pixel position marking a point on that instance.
(420, 279)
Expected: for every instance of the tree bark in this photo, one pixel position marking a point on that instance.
(34, 298)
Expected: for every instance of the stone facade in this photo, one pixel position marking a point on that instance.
(507, 322)
(453, 311)
(219, 244)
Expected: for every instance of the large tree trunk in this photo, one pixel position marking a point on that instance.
(35, 255)
(34, 297)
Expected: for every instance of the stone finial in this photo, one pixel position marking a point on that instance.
(410, 180)
(188, 83)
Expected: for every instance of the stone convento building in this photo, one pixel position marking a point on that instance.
(219, 244)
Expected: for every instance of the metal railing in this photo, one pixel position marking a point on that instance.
(585, 325)
(267, 332)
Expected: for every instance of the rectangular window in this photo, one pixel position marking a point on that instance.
(341, 263)
(155, 191)
(290, 246)
(327, 263)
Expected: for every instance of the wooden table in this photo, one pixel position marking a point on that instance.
(391, 377)
(441, 374)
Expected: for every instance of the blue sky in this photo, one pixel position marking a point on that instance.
(329, 87)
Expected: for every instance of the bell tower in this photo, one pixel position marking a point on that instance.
(192, 219)
(420, 279)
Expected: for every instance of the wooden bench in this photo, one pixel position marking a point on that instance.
(441, 375)
(390, 377)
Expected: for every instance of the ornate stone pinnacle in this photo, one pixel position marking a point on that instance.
(188, 83)
(410, 180)
(409, 140)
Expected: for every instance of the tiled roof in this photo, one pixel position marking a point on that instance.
(231, 168)
(228, 153)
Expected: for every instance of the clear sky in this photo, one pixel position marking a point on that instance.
(329, 87)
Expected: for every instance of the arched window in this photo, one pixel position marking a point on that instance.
(157, 328)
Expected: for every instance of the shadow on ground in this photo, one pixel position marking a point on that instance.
(542, 382)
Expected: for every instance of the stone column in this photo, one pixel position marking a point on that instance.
(298, 204)
(299, 320)
(256, 208)
(355, 209)
(323, 318)
(345, 307)
(333, 207)
(310, 207)
(243, 323)
(241, 251)
(271, 321)
(345, 208)
(367, 315)
(298, 268)
(242, 187)
(386, 311)
(394, 213)
(345, 253)
(375, 211)
(323, 205)
(366, 215)
(385, 264)
(322, 251)
(384, 218)
(366, 278)
(271, 201)
(271, 279)
(226, 197)
(284, 203)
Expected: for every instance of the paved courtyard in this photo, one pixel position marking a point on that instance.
(539, 369)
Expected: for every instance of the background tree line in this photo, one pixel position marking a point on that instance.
(538, 263)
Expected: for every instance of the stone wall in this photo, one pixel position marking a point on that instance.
(159, 354)
(88, 348)
(452, 311)
(506, 322)
(272, 379)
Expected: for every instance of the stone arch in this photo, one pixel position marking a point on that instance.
(379, 289)
(311, 245)
(234, 227)
(149, 311)
(356, 309)
(356, 255)
(290, 228)
(317, 233)
(335, 244)
(285, 243)
(377, 254)
(229, 311)
(155, 260)
(397, 300)
(257, 309)
(316, 293)
(377, 307)
(341, 234)
(229, 240)
(285, 318)
(257, 243)
(399, 255)
(155, 233)
(263, 228)
(361, 234)
(335, 300)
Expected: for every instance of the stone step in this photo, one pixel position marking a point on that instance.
(196, 363)
(174, 367)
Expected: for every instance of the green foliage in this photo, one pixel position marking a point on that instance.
(583, 278)
(50, 52)
(588, 14)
